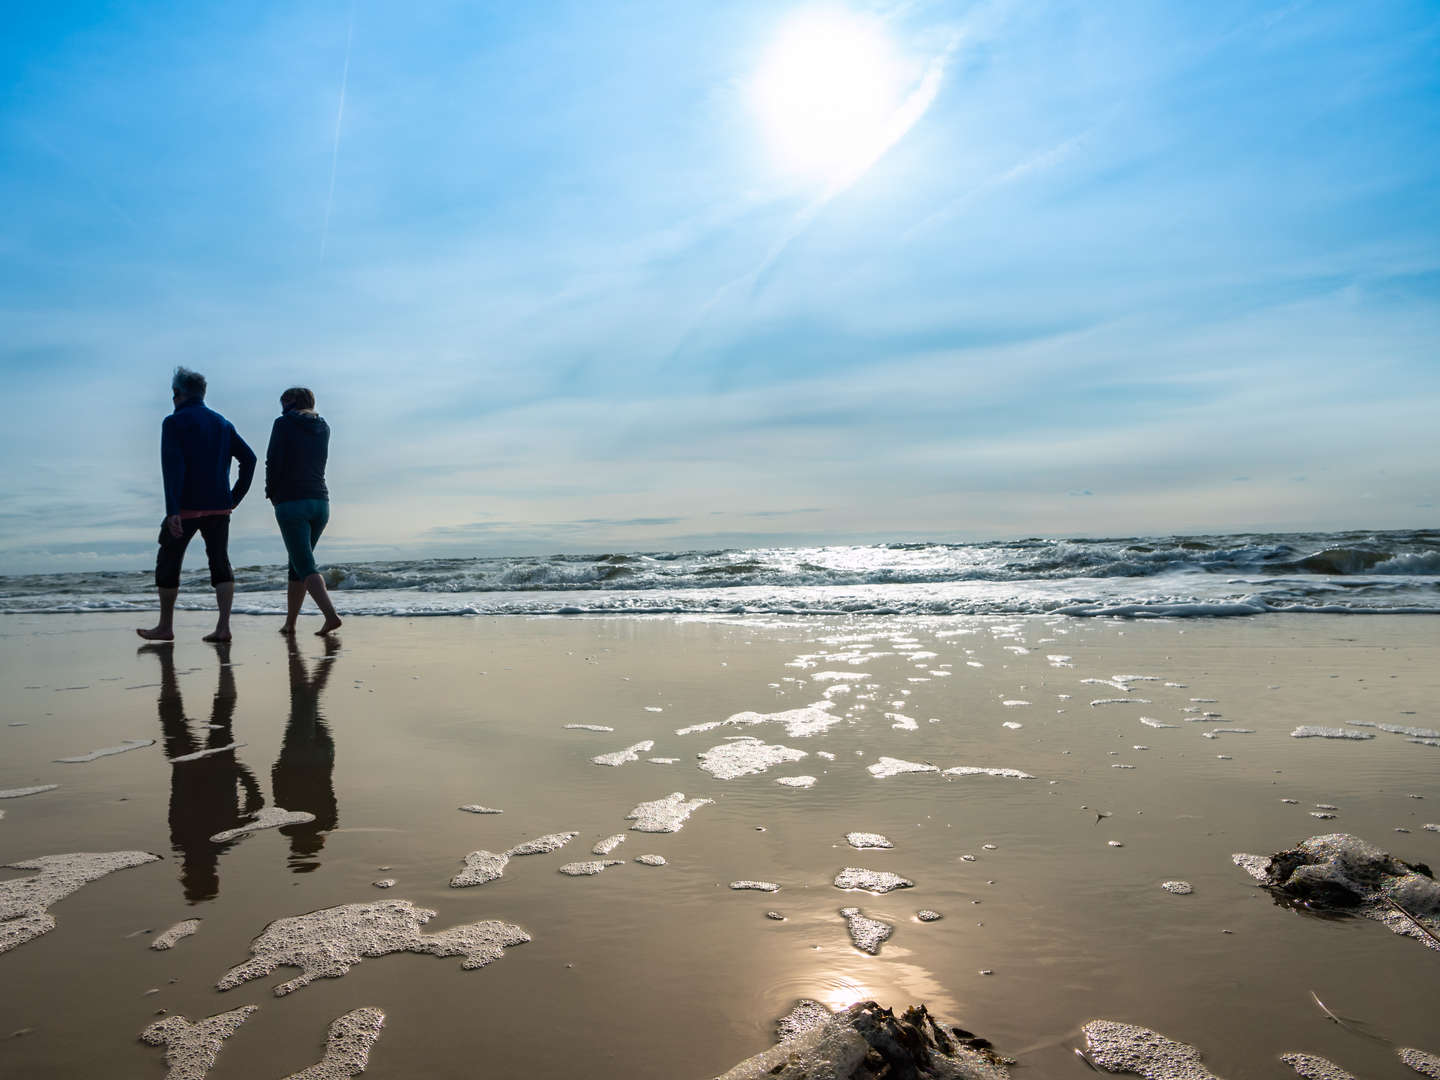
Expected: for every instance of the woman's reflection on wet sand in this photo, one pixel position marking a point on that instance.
(210, 793)
(303, 776)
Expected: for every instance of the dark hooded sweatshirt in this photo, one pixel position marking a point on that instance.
(295, 459)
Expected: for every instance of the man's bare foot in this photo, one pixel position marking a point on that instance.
(288, 629)
(156, 633)
(331, 625)
(217, 637)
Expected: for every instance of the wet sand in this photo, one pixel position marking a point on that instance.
(666, 971)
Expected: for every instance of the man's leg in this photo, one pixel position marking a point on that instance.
(215, 528)
(167, 579)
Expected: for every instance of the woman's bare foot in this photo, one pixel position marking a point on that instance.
(288, 629)
(157, 633)
(331, 625)
(217, 637)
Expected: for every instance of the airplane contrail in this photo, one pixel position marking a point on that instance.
(335, 148)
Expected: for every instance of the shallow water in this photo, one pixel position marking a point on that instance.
(665, 971)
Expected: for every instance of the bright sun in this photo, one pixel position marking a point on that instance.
(827, 92)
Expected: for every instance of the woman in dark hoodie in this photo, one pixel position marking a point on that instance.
(295, 483)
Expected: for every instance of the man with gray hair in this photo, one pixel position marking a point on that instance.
(196, 447)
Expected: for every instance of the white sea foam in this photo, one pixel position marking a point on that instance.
(270, 817)
(1013, 725)
(1317, 731)
(588, 727)
(480, 867)
(1121, 701)
(927, 915)
(207, 752)
(1129, 1048)
(663, 760)
(1422, 1061)
(746, 757)
(889, 766)
(325, 944)
(25, 901)
(476, 808)
(901, 722)
(1179, 888)
(108, 751)
(589, 867)
(758, 886)
(21, 792)
(609, 844)
(667, 815)
(191, 1049)
(1012, 703)
(796, 781)
(180, 930)
(543, 845)
(872, 881)
(975, 770)
(867, 934)
(1311, 1067)
(867, 840)
(650, 860)
(808, 720)
(630, 753)
(347, 1046)
(841, 676)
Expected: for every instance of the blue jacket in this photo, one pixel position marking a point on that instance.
(196, 447)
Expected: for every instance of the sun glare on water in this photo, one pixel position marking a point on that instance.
(827, 92)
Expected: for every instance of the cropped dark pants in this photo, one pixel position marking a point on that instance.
(215, 528)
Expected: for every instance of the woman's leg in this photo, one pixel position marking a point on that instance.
(294, 597)
(315, 581)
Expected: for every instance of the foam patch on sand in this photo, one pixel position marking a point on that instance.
(630, 753)
(170, 937)
(1150, 721)
(758, 886)
(867, 840)
(796, 781)
(543, 845)
(588, 727)
(108, 751)
(799, 723)
(926, 915)
(211, 751)
(271, 817)
(1129, 1048)
(841, 676)
(24, 902)
(901, 722)
(191, 1049)
(1315, 1068)
(1179, 888)
(746, 757)
(975, 770)
(871, 881)
(21, 792)
(476, 808)
(650, 860)
(807, 1015)
(889, 766)
(347, 1046)
(480, 867)
(325, 944)
(1422, 1061)
(866, 934)
(1121, 701)
(667, 815)
(588, 867)
(1319, 731)
(609, 844)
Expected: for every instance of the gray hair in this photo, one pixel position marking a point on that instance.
(190, 384)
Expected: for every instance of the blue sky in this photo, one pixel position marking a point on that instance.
(581, 283)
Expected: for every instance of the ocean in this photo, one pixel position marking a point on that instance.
(1391, 572)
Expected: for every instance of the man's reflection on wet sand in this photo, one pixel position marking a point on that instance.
(303, 776)
(211, 793)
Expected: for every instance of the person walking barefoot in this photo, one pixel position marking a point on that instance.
(196, 447)
(295, 483)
